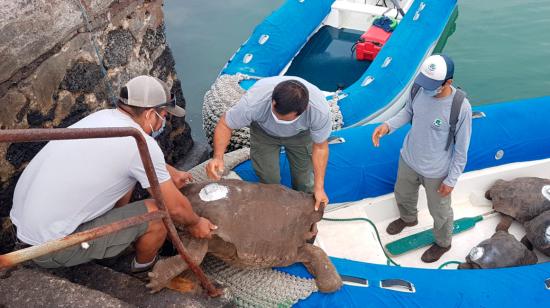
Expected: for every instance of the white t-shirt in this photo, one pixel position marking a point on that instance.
(74, 181)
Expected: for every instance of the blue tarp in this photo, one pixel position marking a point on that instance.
(507, 287)
(357, 170)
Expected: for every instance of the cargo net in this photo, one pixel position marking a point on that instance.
(231, 160)
(225, 93)
(258, 287)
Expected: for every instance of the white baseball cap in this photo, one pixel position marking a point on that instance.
(434, 71)
(150, 92)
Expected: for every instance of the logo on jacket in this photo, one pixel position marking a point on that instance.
(437, 122)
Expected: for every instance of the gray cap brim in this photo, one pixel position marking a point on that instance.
(427, 83)
(176, 111)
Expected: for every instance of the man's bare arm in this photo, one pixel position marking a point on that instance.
(179, 177)
(181, 211)
(222, 136)
(177, 204)
(320, 160)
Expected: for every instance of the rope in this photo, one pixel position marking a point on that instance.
(231, 160)
(390, 261)
(112, 97)
(448, 263)
(259, 287)
(224, 94)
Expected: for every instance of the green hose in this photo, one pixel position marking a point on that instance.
(389, 260)
(447, 263)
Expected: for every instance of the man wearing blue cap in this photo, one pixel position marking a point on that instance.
(434, 152)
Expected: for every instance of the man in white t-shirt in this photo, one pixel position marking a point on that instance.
(75, 185)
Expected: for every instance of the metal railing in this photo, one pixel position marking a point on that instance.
(35, 135)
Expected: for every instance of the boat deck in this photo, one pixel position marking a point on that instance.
(357, 240)
(327, 60)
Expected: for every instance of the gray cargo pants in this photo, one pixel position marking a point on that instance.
(406, 195)
(264, 153)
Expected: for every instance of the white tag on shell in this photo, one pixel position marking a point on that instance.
(476, 253)
(213, 192)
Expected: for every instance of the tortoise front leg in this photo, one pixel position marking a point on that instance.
(505, 223)
(319, 265)
(530, 256)
(527, 243)
(167, 269)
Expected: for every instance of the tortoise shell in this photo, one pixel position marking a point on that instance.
(522, 198)
(538, 232)
(282, 218)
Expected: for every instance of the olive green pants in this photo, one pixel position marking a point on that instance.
(265, 150)
(103, 247)
(406, 195)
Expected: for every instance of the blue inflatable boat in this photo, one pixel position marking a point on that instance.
(314, 39)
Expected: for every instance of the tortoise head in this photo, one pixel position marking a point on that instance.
(547, 235)
(472, 258)
(497, 186)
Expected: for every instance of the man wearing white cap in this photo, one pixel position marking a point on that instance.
(76, 185)
(434, 152)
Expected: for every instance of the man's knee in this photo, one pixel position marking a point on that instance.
(151, 205)
(303, 182)
(155, 226)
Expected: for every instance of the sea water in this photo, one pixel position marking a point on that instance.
(501, 48)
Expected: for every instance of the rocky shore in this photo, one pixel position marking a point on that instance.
(51, 75)
(61, 61)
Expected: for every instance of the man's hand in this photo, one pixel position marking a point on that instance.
(444, 190)
(181, 178)
(320, 197)
(202, 229)
(215, 168)
(382, 130)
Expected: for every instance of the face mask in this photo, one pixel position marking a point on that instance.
(433, 92)
(283, 122)
(157, 133)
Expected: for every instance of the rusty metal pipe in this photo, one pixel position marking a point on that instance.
(169, 224)
(33, 135)
(32, 252)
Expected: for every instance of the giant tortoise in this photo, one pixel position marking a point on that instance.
(259, 226)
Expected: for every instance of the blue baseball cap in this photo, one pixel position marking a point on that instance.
(434, 71)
